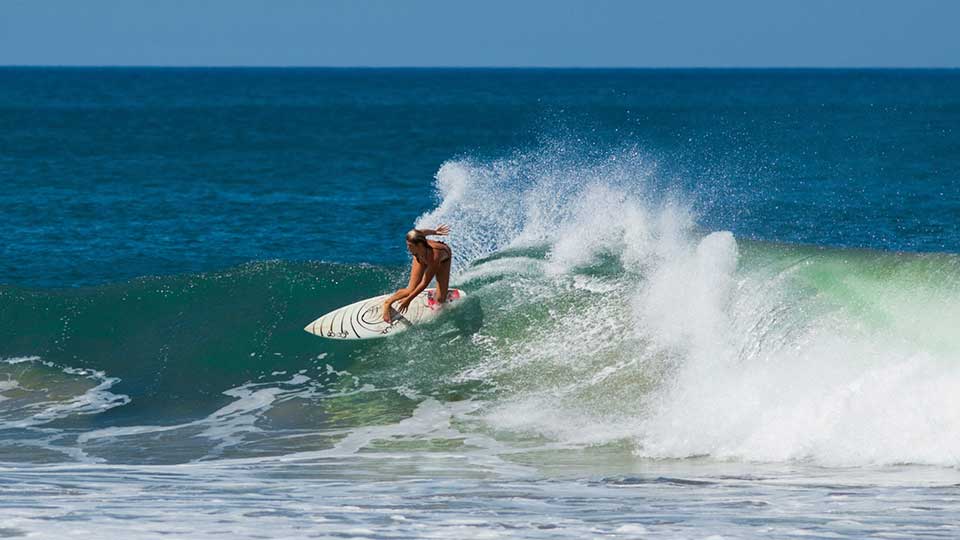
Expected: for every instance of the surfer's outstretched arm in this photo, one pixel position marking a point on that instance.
(442, 230)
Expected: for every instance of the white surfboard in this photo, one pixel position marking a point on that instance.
(364, 319)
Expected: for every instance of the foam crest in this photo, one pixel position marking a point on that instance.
(791, 374)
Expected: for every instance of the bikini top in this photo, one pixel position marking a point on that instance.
(447, 252)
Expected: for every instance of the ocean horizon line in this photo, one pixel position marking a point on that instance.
(482, 68)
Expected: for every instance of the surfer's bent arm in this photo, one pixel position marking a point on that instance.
(427, 278)
(416, 274)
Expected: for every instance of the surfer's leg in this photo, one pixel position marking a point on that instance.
(443, 281)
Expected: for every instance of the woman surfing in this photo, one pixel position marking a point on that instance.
(430, 259)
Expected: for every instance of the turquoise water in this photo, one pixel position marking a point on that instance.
(701, 303)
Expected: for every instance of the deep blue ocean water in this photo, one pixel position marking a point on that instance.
(117, 173)
(701, 303)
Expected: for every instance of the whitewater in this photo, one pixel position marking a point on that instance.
(617, 370)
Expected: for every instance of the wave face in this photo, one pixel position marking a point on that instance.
(600, 315)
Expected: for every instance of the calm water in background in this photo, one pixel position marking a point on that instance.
(702, 303)
(117, 173)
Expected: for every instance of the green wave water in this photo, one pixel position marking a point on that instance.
(583, 355)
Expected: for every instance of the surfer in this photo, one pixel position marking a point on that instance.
(430, 259)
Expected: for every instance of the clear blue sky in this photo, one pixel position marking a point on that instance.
(677, 33)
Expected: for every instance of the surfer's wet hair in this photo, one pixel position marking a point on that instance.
(416, 237)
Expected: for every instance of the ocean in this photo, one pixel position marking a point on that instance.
(702, 304)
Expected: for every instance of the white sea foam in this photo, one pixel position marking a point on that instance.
(691, 349)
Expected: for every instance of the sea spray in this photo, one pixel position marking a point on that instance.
(766, 355)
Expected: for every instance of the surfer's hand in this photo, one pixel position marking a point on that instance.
(403, 306)
(386, 314)
(442, 230)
